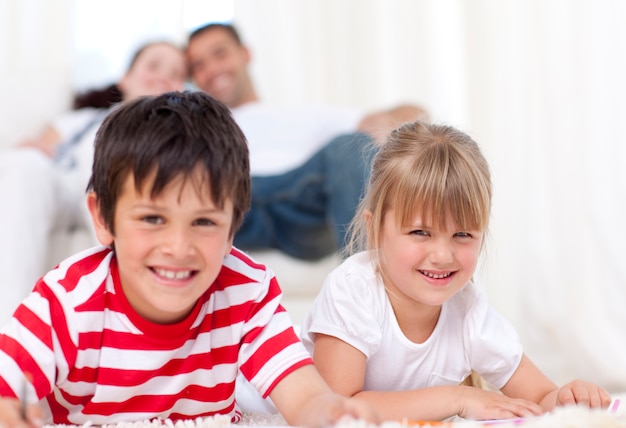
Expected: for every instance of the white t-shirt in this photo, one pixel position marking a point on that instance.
(78, 130)
(282, 138)
(470, 334)
(72, 122)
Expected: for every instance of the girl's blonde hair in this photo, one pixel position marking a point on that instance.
(425, 168)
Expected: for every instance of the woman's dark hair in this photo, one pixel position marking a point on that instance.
(107, 96)
(98, 98)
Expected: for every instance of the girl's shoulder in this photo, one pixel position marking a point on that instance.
(360, 263)
(357, 270)
(355, 281)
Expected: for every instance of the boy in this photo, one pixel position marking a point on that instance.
(158, 321)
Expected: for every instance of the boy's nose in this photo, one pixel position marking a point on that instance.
(177, 244)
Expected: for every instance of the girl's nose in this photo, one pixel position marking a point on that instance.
(442, 254)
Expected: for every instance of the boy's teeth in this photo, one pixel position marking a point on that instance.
(183, 274)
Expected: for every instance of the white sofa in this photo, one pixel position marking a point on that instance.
(300, 280)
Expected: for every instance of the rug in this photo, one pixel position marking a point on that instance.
(562, 417)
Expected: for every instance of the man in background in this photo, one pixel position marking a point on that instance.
(309, 164)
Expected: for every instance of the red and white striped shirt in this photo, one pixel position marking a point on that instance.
(93, 359)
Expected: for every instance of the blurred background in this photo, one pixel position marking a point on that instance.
(539, 84)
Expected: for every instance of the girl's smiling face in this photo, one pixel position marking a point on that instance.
(169, 248)
(425, 265)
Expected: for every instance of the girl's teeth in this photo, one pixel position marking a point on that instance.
(435, 276)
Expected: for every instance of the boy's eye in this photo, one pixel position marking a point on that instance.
(203, 222)
(152, 219)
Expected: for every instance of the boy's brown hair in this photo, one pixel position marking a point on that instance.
(169, 136)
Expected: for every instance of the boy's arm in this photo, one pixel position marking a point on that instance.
(304, 399)
(343, 367)
(530, 383)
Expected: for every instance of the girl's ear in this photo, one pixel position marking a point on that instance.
(367, 216)
(103, 233)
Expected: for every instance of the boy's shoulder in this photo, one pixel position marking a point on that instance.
(78, 283)
(92, 262)
(239, 266)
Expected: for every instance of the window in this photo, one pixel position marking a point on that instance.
(107, 32)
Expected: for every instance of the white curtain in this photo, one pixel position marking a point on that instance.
(35, 65)
(538, 83)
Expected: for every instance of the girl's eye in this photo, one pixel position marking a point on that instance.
(152, 219)
(463, 235)
(419, 232)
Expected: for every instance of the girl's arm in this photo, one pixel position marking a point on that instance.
(532, 384)
(343, 368)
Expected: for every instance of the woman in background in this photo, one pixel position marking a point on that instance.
(86, 108)
(43, 181)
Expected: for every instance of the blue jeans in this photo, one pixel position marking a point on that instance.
(305, 212)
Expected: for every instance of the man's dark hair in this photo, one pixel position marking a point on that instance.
(214, 25)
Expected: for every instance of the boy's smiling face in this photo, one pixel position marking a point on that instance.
(169, 248)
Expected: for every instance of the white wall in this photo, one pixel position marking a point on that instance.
(538, 83)
(50, 49)
(35, 64)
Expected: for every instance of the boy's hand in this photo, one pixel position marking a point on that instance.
(480, 404)
(11, 414)
(583, 393)
(305, 400)
(327, 409)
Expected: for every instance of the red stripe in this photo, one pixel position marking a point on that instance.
(61, 328)
(236, 418)
(179, 366)
(34, 324)
(83, 268)
(285, 373)
(162, 403)
(5, 390)
(127, 341)
(244, 311)
(96, 302)
(267, 350)
(60, 414)
(26, 363)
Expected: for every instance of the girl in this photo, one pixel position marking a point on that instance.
(402, 324)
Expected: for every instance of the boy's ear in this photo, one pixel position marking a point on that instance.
(103, 233)
(229, 246)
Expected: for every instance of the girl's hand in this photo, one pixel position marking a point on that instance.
(583, 393)
(11, 414)
(480, 404)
